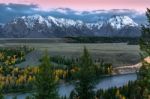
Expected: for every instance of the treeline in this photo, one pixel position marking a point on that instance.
(72, 66)
(15, 79)
(128, 91)
(129, 40)
(11, 56)
(12, 78)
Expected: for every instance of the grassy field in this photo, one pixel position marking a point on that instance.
(119, 54)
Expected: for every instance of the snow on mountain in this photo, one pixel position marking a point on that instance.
(119, 22)
(61, 21)
(30, 21)
(38, 26)
(52, 19)
(69, 22)
(97, 25)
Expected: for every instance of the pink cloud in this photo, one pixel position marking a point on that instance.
(86, 4)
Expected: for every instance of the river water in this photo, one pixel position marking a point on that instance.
(108, 82)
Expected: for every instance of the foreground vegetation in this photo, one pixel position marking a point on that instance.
(15, 79)
(11, 56)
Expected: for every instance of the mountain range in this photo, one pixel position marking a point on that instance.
(36, 26)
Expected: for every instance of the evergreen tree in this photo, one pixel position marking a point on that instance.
(145, 37)
(30, 97)
(84, 88)
(45, 83)
(15, 97)
(144, 73)
(1, 93)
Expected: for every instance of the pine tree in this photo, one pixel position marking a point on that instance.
(15, 97)
(84, 88)
(144, 73)
(145, 37)
(1, 94)
(45, 83)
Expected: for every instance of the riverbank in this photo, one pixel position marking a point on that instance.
(129, 69)
(105, 83)
(126, 69)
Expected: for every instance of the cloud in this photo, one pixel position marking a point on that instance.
(11, 11)
(86, 4)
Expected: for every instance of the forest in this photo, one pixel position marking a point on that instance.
(96, 39)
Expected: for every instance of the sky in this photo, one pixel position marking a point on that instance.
(83, 5)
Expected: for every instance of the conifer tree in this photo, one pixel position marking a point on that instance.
(144, 73)
(145, 37)
(45, 83)
(84, 88)
(1, 93)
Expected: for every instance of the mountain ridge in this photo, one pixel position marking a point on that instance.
(37, 26)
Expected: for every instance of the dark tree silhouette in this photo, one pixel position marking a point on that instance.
(45, 83)
(84, 88)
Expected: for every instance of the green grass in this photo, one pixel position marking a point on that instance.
(119, 54)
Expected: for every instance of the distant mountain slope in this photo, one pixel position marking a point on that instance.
(36, 26)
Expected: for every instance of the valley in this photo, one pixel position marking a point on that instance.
(118, 54)
(121, 56)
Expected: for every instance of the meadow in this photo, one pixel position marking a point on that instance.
(118, 54)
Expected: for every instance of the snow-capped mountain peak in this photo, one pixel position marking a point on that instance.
(97, 25)
(38, 18)
(30, 21)
(64, 22)
(38, 26)
(119, 22)
(52, 19)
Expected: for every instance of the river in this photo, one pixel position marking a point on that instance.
(105, 83)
